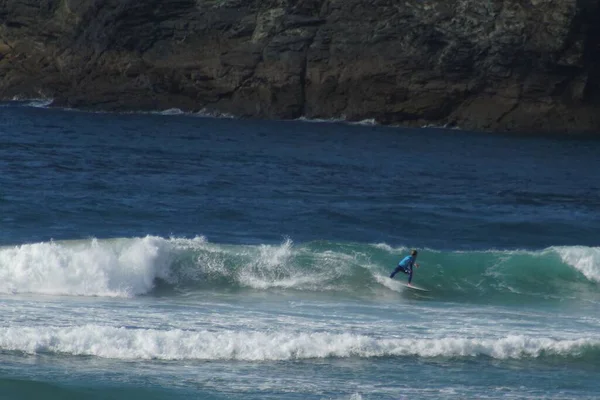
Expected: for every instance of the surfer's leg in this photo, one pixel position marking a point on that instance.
(398, 269)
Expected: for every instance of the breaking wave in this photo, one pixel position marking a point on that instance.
(128, 343)
(126, 267)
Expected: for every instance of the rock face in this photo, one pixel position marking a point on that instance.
(478, 64)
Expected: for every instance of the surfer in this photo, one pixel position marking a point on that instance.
(406, 265)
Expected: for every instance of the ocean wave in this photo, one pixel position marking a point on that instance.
(341, 120)
(128, 267)
(131, 344)
(27, 102)
(116, 268)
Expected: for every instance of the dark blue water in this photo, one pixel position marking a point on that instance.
(158, 257)
(258, 181)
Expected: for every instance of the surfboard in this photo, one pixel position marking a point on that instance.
(411, 286)
(397, 285)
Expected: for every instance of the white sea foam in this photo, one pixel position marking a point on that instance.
(342, 119)
(126, 343)
(365, 122)
(171, 111)
(388, 248)
(584, 259)
(214, 114)
(41, 102)
(123, 267)
(389, 283)
(356, 396)
(445, 126)
(321, 120)
(129, 267)
(272, 266)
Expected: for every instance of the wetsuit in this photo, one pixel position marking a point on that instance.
(406, 266)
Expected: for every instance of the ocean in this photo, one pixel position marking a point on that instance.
(160, 256)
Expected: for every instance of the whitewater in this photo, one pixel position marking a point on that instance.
(171, 256)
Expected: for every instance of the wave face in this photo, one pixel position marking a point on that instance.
(138, 266)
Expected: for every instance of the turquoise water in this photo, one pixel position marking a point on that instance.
(174, 257)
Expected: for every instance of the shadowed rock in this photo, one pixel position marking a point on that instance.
(492, 65)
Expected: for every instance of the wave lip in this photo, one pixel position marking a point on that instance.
(131, 344)
(584, 259)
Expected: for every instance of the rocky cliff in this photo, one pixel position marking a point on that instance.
(477, 64)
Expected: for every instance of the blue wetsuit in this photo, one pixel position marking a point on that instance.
(406, 266)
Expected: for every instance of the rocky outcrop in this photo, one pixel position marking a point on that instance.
(477, 64)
